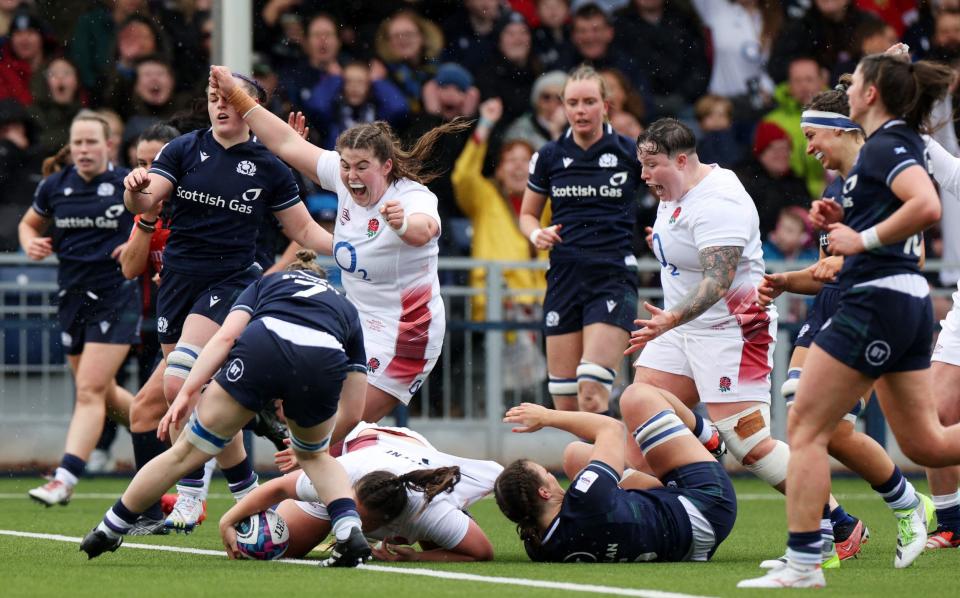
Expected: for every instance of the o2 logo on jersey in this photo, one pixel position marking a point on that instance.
(415, 387)
(251, 194)
(235, 369)
(658, 253)
(162, 324)
(105, 189)
(345, 255)
(247, 167)
(608, 161)
(114, 211)
(877, 352)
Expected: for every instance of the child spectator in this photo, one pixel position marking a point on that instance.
(791, 238)
(718, 143)
(512, 69)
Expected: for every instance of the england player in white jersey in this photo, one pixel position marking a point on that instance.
(711, 342)
(390, 275)
(401, 501)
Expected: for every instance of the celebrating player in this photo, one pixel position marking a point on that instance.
(289, 335)
(836, 141)
(590, 175)
(390, 275)
(606, 516)
(400, 501)
(887, 200)
(220, 182)
(99, 311)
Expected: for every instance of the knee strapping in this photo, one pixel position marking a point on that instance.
(204, 439)
(772, 467)
(660, 428)
(562, 387)
(180, 361)
(310, 447)
(745, 430)
(789, 386)
(594, 372)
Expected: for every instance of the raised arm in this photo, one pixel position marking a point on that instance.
(272, 131)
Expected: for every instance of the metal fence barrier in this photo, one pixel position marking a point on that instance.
(485, 366)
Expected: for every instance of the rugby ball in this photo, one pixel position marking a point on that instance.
(263, 536)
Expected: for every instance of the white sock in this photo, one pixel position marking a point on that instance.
(343, 525)
(64, 476)
(208, 469)
(945, 501)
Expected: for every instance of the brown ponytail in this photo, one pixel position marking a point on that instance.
(379, 138)
(907, 90)
(56, 162)
(306, 260)
(516, 491)
(385, 493)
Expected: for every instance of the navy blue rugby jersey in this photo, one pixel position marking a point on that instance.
(89, 221)
(593, 194)
(868, 200)
(219, 199)
(305, 300)
(833, 191)
(601, 522)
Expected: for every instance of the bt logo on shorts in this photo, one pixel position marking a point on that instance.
(235, 369)
(877, 352)
(553, 318)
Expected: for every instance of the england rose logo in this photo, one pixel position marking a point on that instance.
(674, 216)
(373, 226)
(725, 384)
(373, 365)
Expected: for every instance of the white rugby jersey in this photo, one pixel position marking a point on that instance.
(393, 285)
(946, 171)
(443, 521)
(717, 212)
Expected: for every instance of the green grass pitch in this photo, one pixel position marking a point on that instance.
(42, 567)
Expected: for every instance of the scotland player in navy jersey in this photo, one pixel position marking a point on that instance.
(607, 515)
(887, 200)
(836, 141)
(220, 183)
(291, 336)
(99, 311)
(591, 176)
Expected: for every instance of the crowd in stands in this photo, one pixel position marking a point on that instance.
(738, 71)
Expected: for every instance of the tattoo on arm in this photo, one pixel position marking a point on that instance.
(719, 269)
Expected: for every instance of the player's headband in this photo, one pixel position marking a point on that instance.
(827, 120)
(261, 92)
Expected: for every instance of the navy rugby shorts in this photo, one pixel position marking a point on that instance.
(183, 294)
(824, 306)
(579, 294)
(110, 316)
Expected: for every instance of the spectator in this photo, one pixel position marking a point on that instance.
(592, 37)
(742, 33)
(471, 34)
(409, 45)
(21, 56)
(919, 35)
(94, 42)
(621, 96)
(791, 239)
(56, 104)
(493, 207)
(153, 97)
(945, 44)
(321, 51)
(899, 14)
(264, 74)
(826, 31)
(546, 120)
(361, 95)
(873, 36)
(806, 79)
(551, 39)
(717, 143)
(510, 73)
(7, 8)
(767, 177)
(674, 56)
(449, 95)
(19, 169)
(137, 39)
(188, 27)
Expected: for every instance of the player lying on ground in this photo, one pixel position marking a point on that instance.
(289, 336)
(606, 516)
(400, 501)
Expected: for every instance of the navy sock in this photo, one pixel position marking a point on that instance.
(108, 435)
(73, 464)
(146, 446)
(840, 517)
(119, 519)
(241, 476)
(343, 517)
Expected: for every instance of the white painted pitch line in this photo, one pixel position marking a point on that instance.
(452, 575)
(746, 496)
